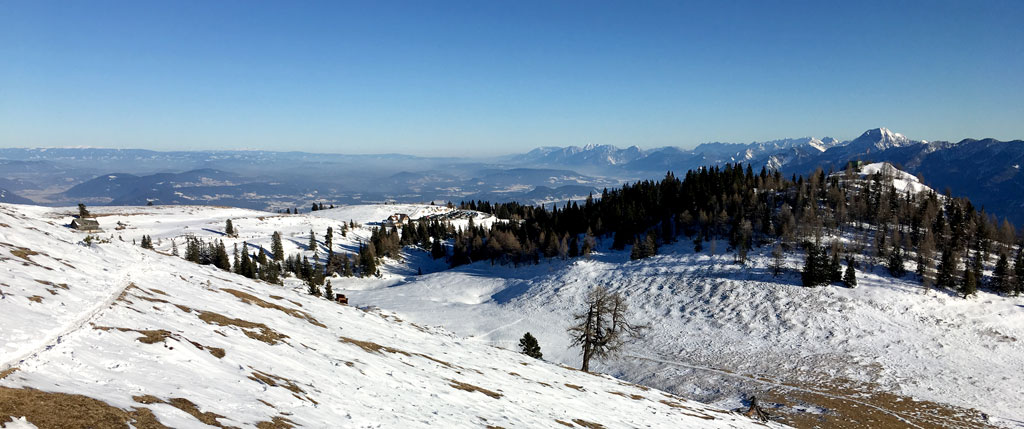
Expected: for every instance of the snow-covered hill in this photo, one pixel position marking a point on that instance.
(106, 334)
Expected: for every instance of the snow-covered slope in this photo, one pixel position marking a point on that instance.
(104, 334)
(885, 350)
(901, 180)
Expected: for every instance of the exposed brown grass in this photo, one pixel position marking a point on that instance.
(187, 406)
(65, 410)
(159, 291)
(250, 299)
(587, 424)
(471, 388)
(23, 253)
(563, 423)
(277, 422)
(256, 331)
(8, 371)
(573, 386)
(149, 336)
(634, 397)
(52, 284)
(36, 299)
(275, 381)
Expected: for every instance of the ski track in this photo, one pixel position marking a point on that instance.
(78, 323)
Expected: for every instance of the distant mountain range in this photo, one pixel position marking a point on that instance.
(987, 171)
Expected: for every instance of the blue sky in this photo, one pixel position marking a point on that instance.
(489, 77)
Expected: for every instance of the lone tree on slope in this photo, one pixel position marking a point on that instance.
(229, 228)
(82, 211)
(530, 347)
(602, 329)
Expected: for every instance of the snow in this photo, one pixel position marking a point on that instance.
(17, 423)
(901, 180)
(285, 353)
(708, 313)
(718, 330)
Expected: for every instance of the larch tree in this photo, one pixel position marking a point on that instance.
(603, 328)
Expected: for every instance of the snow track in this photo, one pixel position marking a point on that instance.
(73, 325)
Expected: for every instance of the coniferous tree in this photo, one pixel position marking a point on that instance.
(895, 262)
(367, 260)
(82, 211)
(329, 240)
(174, 248)
(277, 247)
(850, 276)
(229, 228)
(970, 283)
(1001, 281)
(835, 271)
(312, 242)
(328, 291)
(436, 250)
(312, 287)
(529, 346)
(946, 276)
(603, 328)
(777, 260)
(1018, 270)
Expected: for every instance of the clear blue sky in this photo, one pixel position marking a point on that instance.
(487, 77)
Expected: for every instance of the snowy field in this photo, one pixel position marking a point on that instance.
(719, 331)
(156, 337)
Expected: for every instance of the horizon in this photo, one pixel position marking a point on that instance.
(472, 157)
(490, 79)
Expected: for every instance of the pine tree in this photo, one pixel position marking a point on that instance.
(777, 260)
(530, 347)
(229, 228)
(970, 283)
(174, 248)
(82, 211)
(312, 287)
(276, 247)
(1018, 270)
(436, 250)
(1001, 281)
(895, 263)
(328, 292)
(946, 276)
(312, 242)
(329, 240)
(850, 276)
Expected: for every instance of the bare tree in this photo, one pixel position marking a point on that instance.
(603, 328)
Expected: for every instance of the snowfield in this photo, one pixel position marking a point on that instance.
(161, 341)
(887, 353)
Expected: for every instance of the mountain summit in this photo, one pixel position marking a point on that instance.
(880, 139)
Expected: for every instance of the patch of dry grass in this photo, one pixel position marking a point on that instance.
(256, 331)
(6, 372)
(65, 410)
(23, 253)
(563, 423)
(587, 424)
(250, 299)
(36, 299)
(149, 336)
(275, 381)
(573, 386)
(634, 397)
(471, 388)
(187, 406)
(277, 422)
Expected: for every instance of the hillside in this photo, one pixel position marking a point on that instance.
(107, 334)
